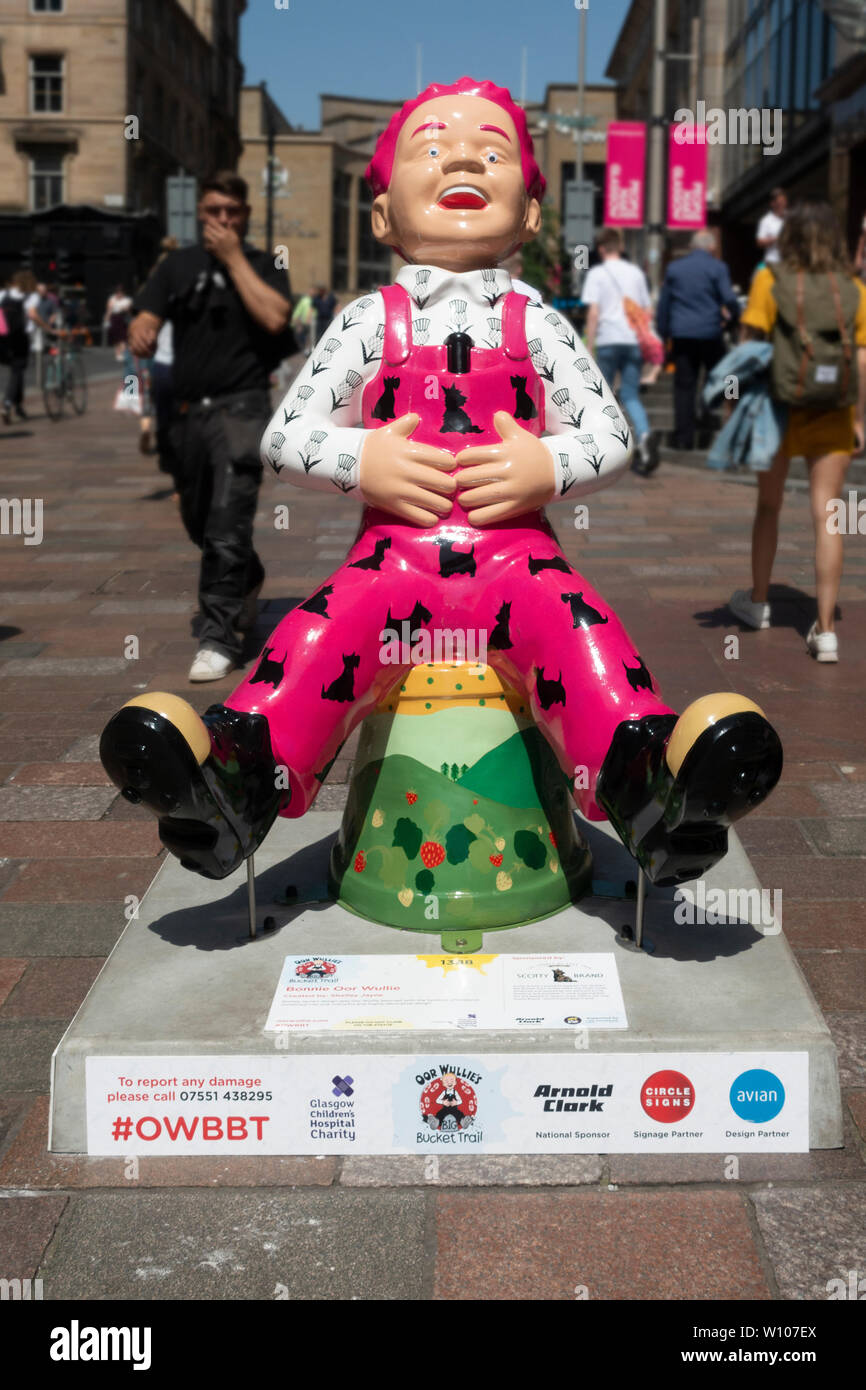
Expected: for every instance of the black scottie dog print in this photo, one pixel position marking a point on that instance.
(524, 406)
(419, 615)
(582, 613)
(343, 688)
(453, 561)
(639, 677)
(384, 407)
(455, 420)
(550, 692)
(500, 637)
(318, 602)
(557, 562)
(374, 561)
(269, 672)
(560, 977)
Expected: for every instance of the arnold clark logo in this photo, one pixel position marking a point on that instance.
(573, 1098)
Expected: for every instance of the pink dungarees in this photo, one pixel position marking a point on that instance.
(548, 633)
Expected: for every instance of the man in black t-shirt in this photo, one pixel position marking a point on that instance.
(229, 305)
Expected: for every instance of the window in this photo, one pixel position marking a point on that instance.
(46, 6)
(46, 178)
(46, 83)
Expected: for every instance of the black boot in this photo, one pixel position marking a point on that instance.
(215, 805)
(676, 823)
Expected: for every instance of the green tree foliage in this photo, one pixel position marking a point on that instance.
(408, 836)
(529, 848)
(457, 843)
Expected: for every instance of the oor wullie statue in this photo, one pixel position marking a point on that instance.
(457, 410)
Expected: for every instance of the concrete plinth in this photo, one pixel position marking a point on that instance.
(182, 981)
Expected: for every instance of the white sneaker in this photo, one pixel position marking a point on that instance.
(824, 646)
(744, 607)
(210, 665)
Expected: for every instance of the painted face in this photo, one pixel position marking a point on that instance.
(457, 198)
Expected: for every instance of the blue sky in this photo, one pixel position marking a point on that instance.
(367, 48)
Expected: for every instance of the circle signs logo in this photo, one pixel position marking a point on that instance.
(667, 1096)
(757, 1096)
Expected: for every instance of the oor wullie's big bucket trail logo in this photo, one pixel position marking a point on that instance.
(449, 1104)
(316, 968)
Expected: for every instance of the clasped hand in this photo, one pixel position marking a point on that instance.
(417, 482)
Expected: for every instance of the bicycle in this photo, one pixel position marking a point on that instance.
(64, 377)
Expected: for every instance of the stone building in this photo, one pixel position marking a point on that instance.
(100, 100)
(321, 202)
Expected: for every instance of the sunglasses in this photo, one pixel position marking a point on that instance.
(214, 209)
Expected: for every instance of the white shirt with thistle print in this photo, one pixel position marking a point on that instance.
(316, 438)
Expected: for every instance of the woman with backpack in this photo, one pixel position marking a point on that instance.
(814, 311)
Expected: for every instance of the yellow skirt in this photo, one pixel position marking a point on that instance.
(811, 433)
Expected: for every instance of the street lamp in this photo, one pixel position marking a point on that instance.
(269, 193)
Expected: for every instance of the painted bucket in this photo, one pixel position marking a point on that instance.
(459, 816)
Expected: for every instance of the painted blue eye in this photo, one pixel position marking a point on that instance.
(493, 157)
(434, 151)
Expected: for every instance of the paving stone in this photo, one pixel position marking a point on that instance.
(848, 1031)
(83, 750)
(843, 837)
(141, 606)
(14, 749)
(812, 1235)
(12, 1107)
(25, 1053)
(26, 1226)
(616, 1245)
(330, 1245)
(63, 774)
(55, 668)
(53, 988)
(79, 839)
(10, 973)
(54, 803)
(19, 651)
(810, 878)
(81, 881)
(52, 929)
(28, 1164)
(837, 978)
(857, 1105)
(8, 872)
(332, 797)
(840, 799)
(773, 836)
(816, 925)
(13, 597)
(483, 1170)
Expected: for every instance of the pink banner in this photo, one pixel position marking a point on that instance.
(687, 176)
(624, 181)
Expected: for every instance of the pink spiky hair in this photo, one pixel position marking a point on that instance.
(378, 171)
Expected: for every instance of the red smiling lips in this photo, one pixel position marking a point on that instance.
(462, 197)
